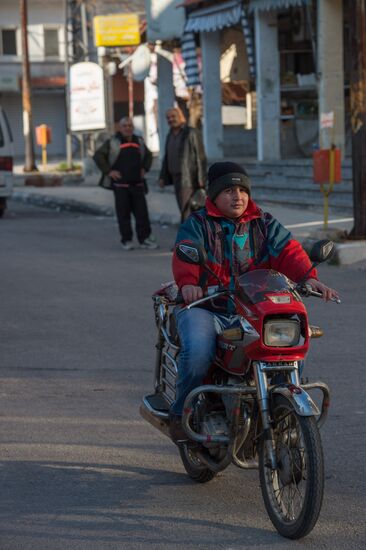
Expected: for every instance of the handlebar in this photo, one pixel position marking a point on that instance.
(179, 300)
(306, 290)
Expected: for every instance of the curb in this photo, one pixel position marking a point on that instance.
(71, 205)
(349, 253)
(60, 204)
(345, 253)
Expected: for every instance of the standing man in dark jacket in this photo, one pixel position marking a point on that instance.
(184, 164)
(123, 160)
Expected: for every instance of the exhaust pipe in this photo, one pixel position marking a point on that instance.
(160, 424)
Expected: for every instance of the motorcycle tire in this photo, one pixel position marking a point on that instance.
(293, 493)
(194, 468)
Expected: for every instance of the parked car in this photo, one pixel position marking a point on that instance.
(6, 161)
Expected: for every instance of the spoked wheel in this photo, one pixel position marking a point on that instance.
(193, 466)
(293, 493)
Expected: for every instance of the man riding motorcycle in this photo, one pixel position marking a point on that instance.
(238, 237)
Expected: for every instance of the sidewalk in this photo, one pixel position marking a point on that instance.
(87, 197)
(83, 195)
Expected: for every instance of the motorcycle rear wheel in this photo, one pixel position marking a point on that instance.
(194, 467)
(293, 493)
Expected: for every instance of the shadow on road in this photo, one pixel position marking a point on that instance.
(104, 502)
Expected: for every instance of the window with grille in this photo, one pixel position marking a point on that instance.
(8, 42)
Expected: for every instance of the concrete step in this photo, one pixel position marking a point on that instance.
(291, 174)
(337, 203)
(298, 185)
(293, 170)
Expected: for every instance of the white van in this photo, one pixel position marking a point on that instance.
(6, 161)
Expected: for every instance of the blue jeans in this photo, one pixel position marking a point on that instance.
(197, 329)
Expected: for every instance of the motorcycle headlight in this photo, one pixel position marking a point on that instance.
(281, 333)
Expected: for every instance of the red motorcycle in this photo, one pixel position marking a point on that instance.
(252, 409)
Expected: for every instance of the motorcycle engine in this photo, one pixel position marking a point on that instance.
(214, 423)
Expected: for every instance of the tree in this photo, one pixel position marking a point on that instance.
(29, 164)
(358, 114)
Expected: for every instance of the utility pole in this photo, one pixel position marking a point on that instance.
(358, 114)
(84, 31)
(29, 164)
(67, 87)
(130, 91)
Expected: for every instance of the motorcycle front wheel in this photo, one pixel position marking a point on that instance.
(293, 493)
(193, 466)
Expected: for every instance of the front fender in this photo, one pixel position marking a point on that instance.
(299, 399)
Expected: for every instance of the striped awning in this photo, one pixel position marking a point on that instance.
(266, 5)
(189, 54)
(215, 17)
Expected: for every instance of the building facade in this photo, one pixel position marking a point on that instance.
(275, 66)
(47, 54)
(46, 42)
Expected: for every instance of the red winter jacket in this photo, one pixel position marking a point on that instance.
(255, 241)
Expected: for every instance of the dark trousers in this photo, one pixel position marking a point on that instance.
(129, 200)
(183, 196)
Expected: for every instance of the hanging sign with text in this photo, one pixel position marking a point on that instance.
(87, 99)
(120, 29)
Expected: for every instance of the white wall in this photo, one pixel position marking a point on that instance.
(40, 13)
(48, 105)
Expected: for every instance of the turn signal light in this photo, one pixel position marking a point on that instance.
(315, 332)
(6, 164)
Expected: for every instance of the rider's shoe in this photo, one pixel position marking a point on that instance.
(176, 431)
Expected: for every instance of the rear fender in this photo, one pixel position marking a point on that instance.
(297, 397)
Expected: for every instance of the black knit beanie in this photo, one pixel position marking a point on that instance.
(222, 175)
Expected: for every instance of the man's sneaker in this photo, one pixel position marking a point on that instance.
(149, 243)
(127, 245)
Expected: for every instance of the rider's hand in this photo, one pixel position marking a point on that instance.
(327, 292)
(191, 293)
(115, 175)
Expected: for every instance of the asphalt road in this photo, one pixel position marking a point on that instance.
(79, 468)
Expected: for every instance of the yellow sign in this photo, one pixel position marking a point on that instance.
(117, 30)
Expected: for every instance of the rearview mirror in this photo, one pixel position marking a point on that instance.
(321, 251)
(191, 253)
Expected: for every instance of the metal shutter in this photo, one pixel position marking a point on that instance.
(48, 108)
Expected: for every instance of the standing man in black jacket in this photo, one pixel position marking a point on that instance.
(123, 160)
(184, 163)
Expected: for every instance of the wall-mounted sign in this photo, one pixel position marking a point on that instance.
(117, 30)
(9, 82)
(327, 120)
(87, 100)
